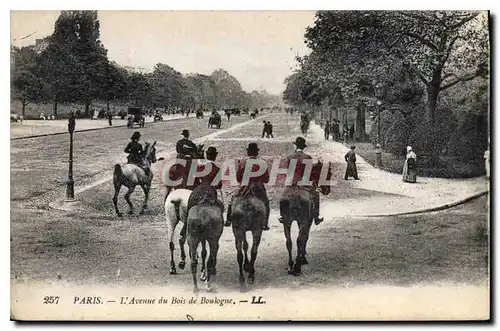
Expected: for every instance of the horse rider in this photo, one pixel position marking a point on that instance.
(136, 152)
(256, 182)
(206, 186)
(185, 148)
(299, 155)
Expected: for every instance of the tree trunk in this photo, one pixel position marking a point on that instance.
(87, 107)
(432, 99)
(360, 123)
(55, 108)
(432, 95)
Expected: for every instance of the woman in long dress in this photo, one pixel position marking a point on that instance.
(410, 167)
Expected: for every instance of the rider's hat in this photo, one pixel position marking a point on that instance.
(211, 151)
(185, 132)
(135, 135)
(253, 147)
(300, 142)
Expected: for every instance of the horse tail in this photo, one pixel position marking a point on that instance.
(117, 174)
(177, 204)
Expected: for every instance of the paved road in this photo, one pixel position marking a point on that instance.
(95, 247)
(39, 165)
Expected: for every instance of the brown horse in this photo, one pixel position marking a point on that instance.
(131, 175)
(296, 204)
(205, 223)
(248, 213)
(178, 171)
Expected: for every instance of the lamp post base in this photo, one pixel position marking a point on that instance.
(70, 190)
(67, 205)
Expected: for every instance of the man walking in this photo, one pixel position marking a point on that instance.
(351, 170)
(264, 129)
(269, 130)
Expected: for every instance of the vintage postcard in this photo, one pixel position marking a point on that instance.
(250, 165)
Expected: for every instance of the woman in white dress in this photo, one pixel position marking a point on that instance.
(410, 167)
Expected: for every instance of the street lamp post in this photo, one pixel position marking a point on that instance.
(70, 184)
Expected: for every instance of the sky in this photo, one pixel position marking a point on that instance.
(256, 47)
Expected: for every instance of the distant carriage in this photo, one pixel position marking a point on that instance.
(158, 117)
(135, 116)
(215, 120)
(304, 123)
(199, 114)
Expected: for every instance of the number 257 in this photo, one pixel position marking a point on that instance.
(51, 300)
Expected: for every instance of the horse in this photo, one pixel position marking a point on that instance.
(205, 223)
(296, 204)
(131, 175)
(248, 213)
(175, 212)
(179, 170)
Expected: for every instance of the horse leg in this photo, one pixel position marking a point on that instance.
(288, 236)
(145, 188)
(127, 198)
(304, 244)
(245, 250)
(171, 224)
(299, 260)
(239, 256)
(204, 260)
(193, 245)
(115, 200)
(256, 234)
(212, 262)
(182, 241)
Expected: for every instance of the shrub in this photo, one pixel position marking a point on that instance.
(397, 135)
(470, 139)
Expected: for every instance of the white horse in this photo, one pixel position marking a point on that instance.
(175, 212)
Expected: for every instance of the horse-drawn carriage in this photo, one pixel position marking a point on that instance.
(158, 117)
(304, 123)
(215, 120)
(135, 116)
(199, 114)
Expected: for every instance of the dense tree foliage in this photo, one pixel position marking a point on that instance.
(74, 67)
(415, 63)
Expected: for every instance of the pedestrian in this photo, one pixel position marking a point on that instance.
(410, 166)
(269, 130)
(351, 170)
(264, 129)
(110, 119)
(327, 130)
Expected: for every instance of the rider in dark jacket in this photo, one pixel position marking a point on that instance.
(257, 182)
(185, 147)
(136, 152)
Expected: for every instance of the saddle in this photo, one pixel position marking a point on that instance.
(204, 194)
(256, 191)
